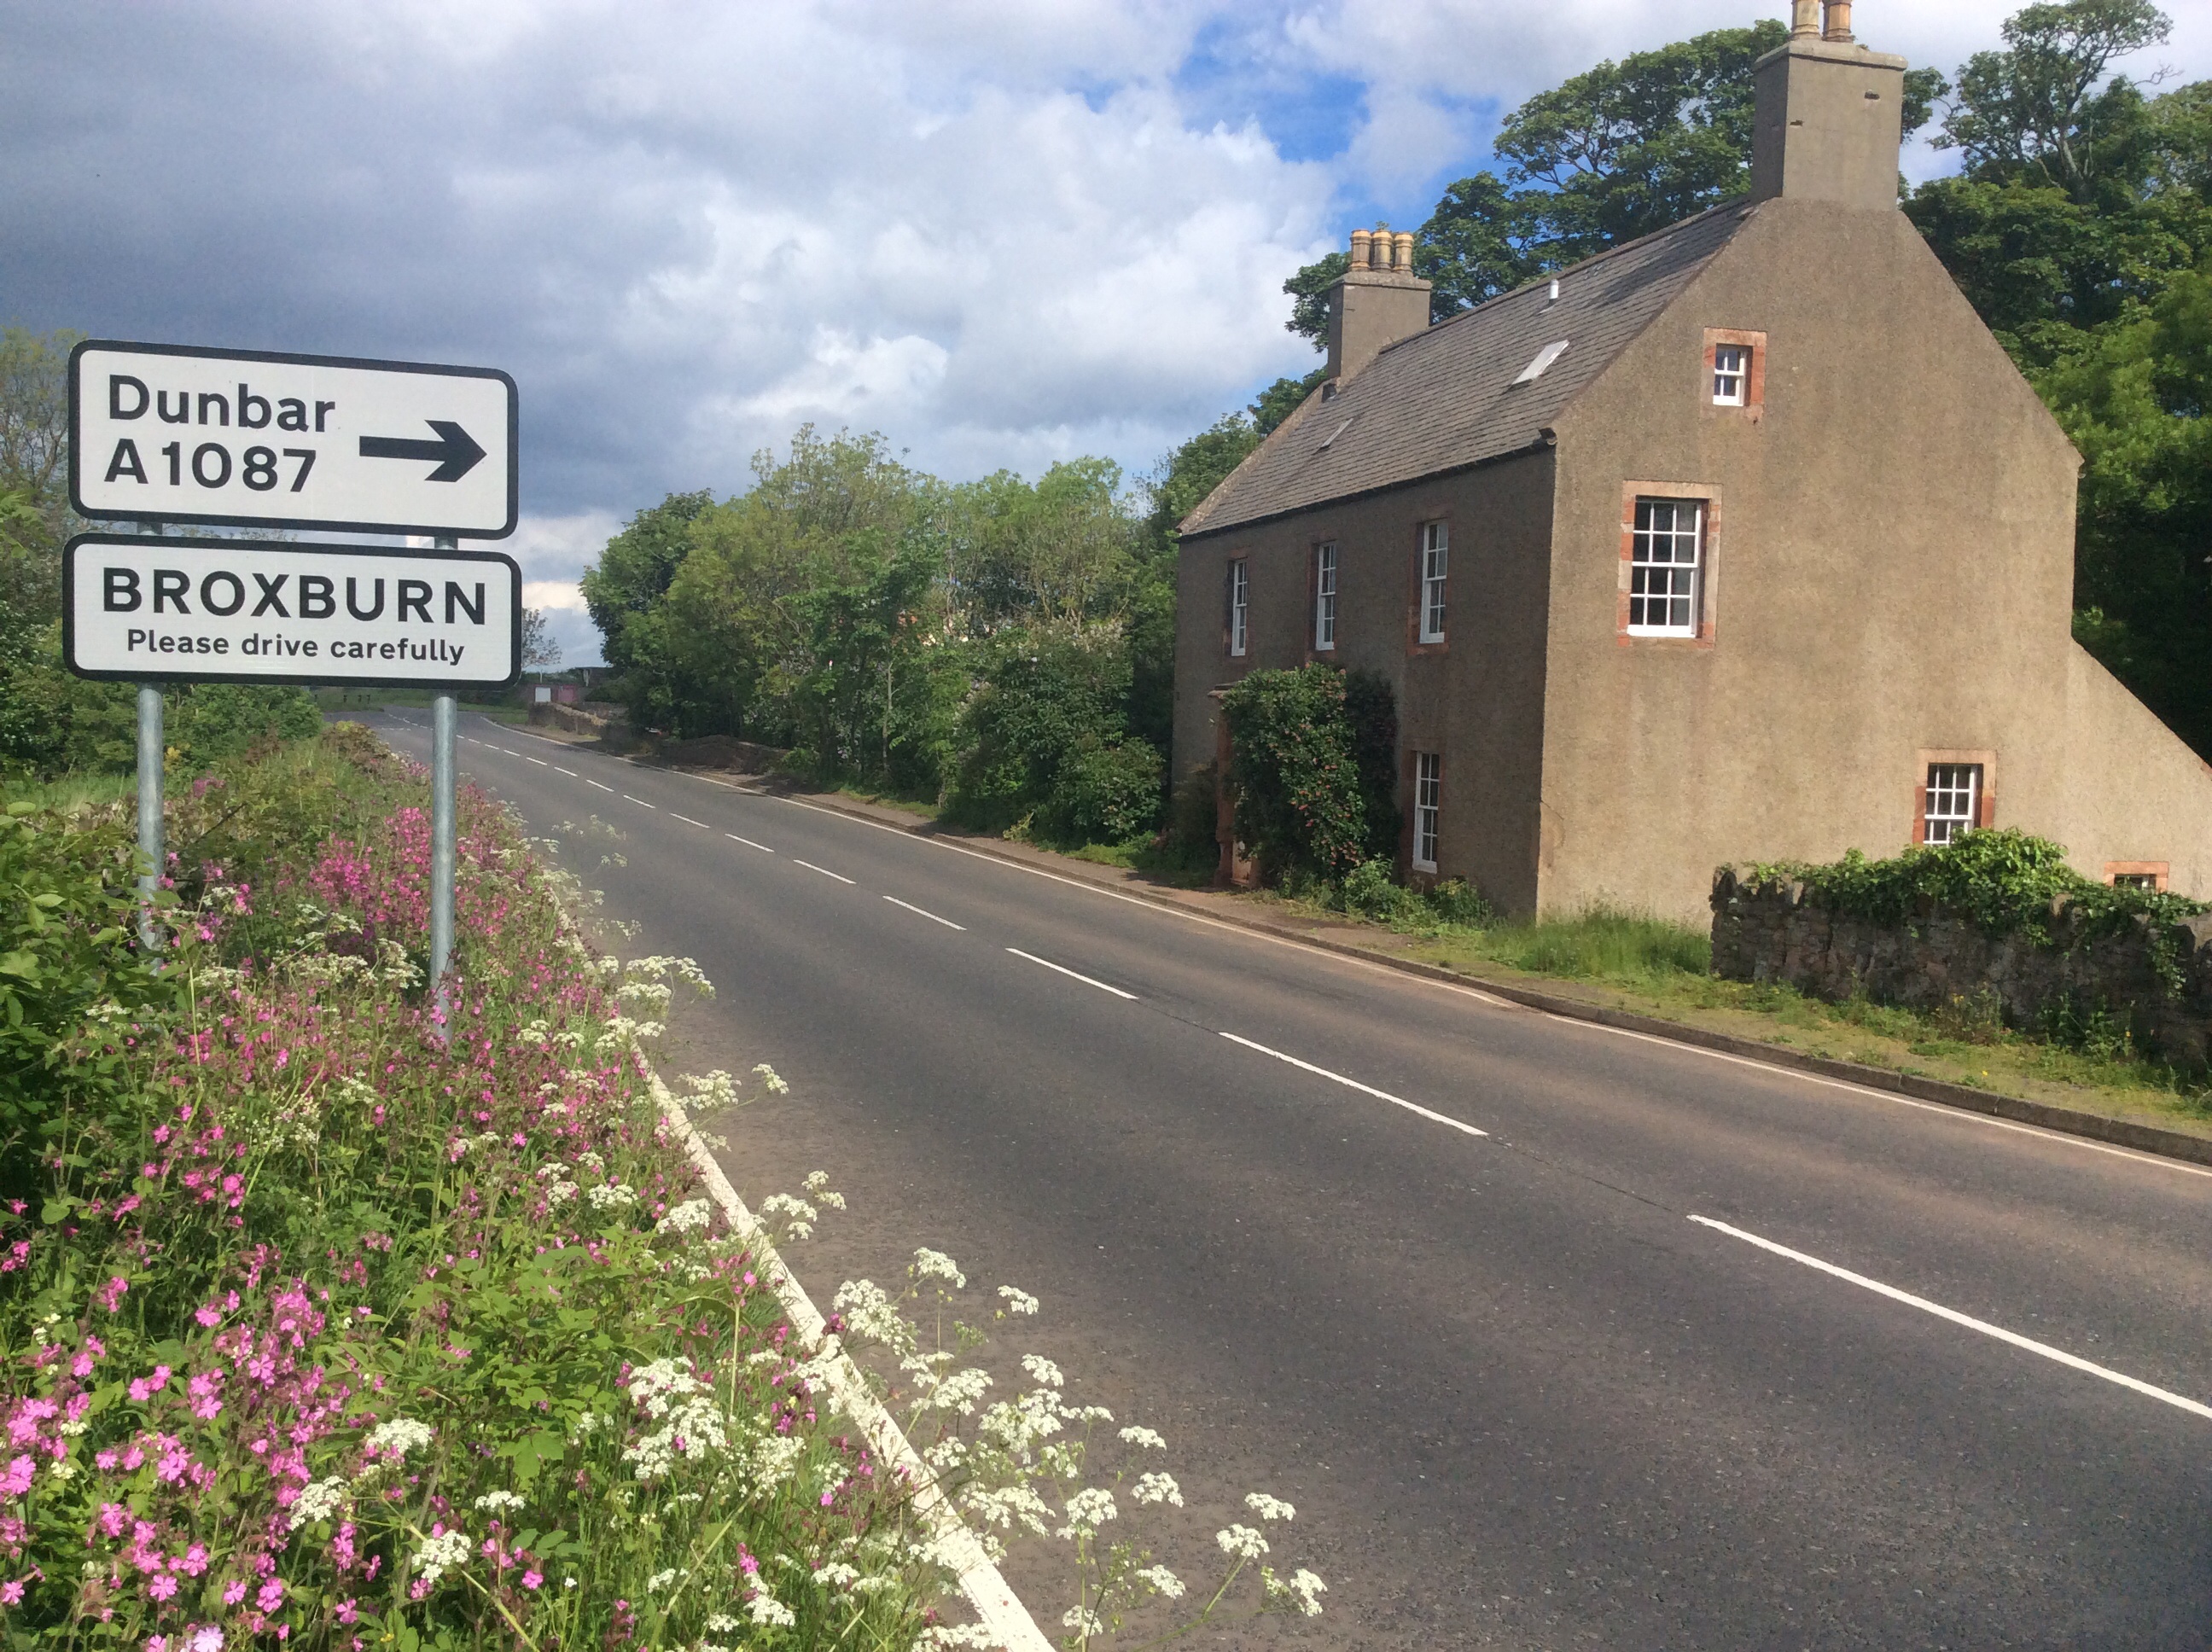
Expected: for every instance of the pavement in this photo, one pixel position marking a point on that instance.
(1557, 1335)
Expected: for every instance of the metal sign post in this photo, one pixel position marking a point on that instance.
(443, 713)
(151, 848)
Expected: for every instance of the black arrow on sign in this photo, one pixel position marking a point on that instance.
(455, 450)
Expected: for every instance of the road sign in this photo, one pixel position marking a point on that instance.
(164, 433)
(223, 610)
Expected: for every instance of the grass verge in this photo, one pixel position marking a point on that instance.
(332, 1320)
(1652, 967)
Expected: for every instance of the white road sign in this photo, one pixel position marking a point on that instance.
(167, 434)
(218, 611)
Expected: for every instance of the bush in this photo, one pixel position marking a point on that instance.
(2002, 879)
(1048, 703)
(1102, 794)
(1294, 773)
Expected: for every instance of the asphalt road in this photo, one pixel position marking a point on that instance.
(1479, 1326)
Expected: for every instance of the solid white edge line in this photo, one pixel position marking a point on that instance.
(1070, 973)
(824, 870)
(1963, 1114)
(2044, 1349)
(749, 843)
(998, 1607)
(1354, 1084)
(640, 802)
(688, 821)
(931, 916)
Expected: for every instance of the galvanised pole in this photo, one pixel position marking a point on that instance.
(151, 849)
(443, 713)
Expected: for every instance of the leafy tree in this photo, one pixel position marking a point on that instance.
(632, 574)
(2043, 109)
(1044, 741)
(540, 651)
(1282, 399)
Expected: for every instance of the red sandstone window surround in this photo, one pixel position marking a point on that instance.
(2138, 874)
(1957, 793)
(1736, 370)
(1669, 564)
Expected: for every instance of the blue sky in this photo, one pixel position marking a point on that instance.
(1001, 233)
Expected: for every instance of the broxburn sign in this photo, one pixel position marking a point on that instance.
(219, 611)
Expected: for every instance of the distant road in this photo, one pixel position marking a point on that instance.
(1557, 1336)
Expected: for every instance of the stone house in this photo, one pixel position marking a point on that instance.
(1744, 541)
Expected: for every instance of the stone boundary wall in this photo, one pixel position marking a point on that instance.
(1775, 929)
(600, 722)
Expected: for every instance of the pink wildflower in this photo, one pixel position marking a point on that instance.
(11, 1592)
(534, 1579)
(234, 1592)
(270, 1596)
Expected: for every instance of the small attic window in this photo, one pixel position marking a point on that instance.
(1551, 353)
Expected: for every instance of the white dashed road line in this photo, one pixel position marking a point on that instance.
(1070, 973)
(602, 788)
(931, 916)
(749, 843)
(1354, 1084)
(688, 821)
(640, 802)
(2044, 1349)
(540, 762)
(824, 870)
(571, 773)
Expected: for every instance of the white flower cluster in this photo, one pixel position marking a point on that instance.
(818, 1184)
(869, 1315)
(611, 1196)
(398, 1436)
(323, 1500)
(492, 1502)
(1087, 1510)
(958, 1391)
(1302, 1588)
(1143, 1439)
(1157, 1489)
(690, 1422)
(1017, 1301)
(768, 1612)
(936, 1264)
(1161, 1581)
(1269, 1508)
(692, 1216)
(1242, 1542)
(439, 1554)
(794, 1217)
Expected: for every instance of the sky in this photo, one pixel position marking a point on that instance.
(1001, 233)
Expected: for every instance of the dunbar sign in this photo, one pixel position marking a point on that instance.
(216, 611)
(164, 433)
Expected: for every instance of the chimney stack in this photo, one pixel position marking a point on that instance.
(1376, 302)
(1830, 114)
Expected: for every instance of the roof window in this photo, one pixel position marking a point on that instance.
(1551, 353)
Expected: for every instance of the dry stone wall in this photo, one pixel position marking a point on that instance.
(2159, 977)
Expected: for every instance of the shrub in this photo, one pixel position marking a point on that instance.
(1102, 794)
(2002, 879)
(1294, 773)
(1370, 708)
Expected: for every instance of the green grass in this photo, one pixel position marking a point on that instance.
(70, 791)
(500, 707)
(1603, 943)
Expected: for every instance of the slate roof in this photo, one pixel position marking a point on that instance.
(1444, 398)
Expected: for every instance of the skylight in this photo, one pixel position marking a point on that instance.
(1551, 353)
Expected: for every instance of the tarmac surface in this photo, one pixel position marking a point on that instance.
(1556, 1335)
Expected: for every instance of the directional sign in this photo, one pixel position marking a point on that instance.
(166, 434)
(137, 608)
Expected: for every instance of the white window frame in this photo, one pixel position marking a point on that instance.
(1428, 807)
(1953, 804)
(1436, 578)
(1240, 605)
(1731, 374)
(1326, 564)
(1673, 587)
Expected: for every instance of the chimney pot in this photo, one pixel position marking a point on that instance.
(1401, 251)
(1805, 17)
(1360, 249)
(1839, 21)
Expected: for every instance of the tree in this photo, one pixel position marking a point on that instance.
(33, 409)
(632, 574)
(540, 652)
(2042, 109)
